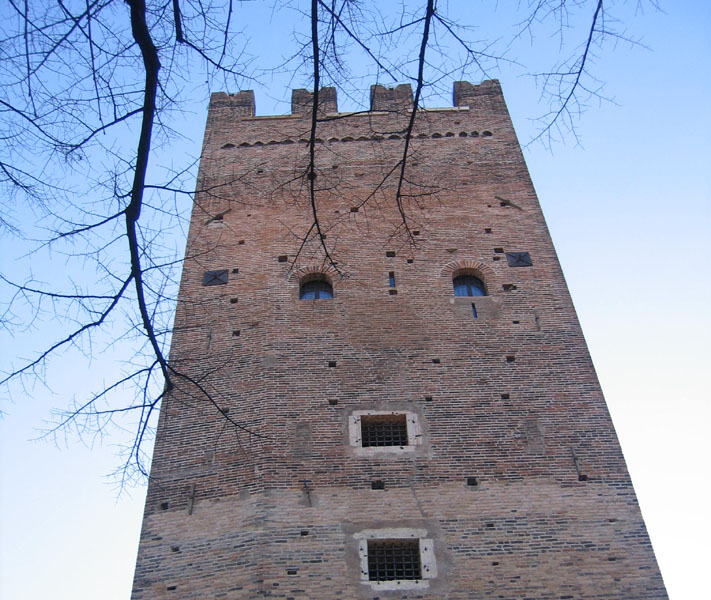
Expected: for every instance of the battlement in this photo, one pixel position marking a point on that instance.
(382, 99)
(302, 101)
(391, 99)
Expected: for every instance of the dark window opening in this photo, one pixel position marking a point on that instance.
(392, 560)
(468, 285)
(316, 290)
(391, 278)
(383, 430)
(474, 311)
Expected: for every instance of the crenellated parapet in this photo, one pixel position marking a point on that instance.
(382, 99)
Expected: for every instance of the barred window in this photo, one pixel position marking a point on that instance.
(393, 560)
(383, 430)
(373, 432)
(396, 558)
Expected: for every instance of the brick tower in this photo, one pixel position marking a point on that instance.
(421, 420)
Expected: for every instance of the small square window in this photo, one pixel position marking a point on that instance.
(374, 431)
(394, 560)
(383, 430)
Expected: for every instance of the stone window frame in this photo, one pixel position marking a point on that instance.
(414, 433)
(428, 562)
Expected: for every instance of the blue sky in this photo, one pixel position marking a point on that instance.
(629, 209)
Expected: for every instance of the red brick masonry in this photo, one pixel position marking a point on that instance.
(517, 481)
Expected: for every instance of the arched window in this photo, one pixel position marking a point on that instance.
(468, 285)
(316, 289)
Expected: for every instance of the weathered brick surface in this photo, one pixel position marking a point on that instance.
(512, 400)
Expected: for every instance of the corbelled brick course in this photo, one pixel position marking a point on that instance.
(257, 492)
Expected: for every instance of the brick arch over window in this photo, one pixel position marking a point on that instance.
(306, 274)
(305, 278)
(469, 267)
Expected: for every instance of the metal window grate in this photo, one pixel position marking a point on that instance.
(383, 430)
(390, 560)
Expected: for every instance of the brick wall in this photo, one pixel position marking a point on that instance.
(256, 492)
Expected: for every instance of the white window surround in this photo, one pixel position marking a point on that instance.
(427, 557)
(414, 432)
